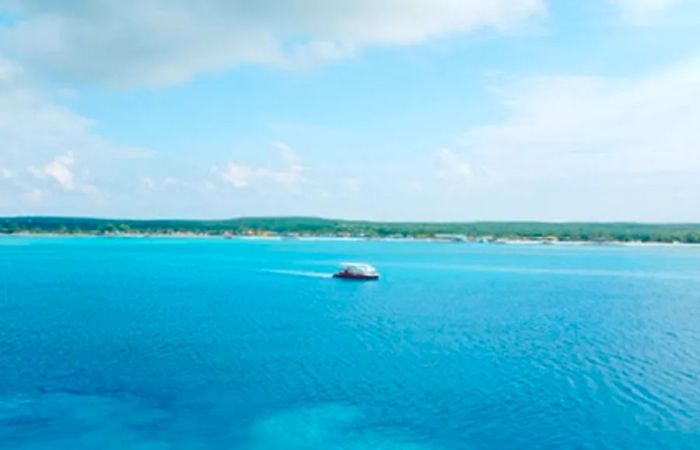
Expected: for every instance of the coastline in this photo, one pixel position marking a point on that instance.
(311, 228)
(310, 238)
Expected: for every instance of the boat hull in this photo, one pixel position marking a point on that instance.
(355, 277)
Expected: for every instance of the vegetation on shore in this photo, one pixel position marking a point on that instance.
(306, 226)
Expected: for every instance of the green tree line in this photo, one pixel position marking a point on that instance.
(575, 231)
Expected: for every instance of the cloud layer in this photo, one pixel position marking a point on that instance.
(241, 175)
(566, 146)
(44, 145)
(624, 147)
(150, 42)
(642, 12)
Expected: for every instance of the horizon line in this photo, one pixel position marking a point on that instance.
(332, 219)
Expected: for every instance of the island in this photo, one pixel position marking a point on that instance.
(311, 227)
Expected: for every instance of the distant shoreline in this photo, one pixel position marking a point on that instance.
(527, 242)
(317, 228)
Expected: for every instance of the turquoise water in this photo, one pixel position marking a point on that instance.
(224, 344)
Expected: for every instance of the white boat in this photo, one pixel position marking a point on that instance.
(357, 271)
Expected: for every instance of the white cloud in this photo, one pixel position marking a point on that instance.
(33, 124)
(642, 12)
(157, 41)
(238, 175)
(6, 174)
(629, 139)
(458, 174)
(287, 153)
(452, 166)
(60, 171)
(315, 52)
(242, 175)
(644, 124)
(34, 129)
(29, 123)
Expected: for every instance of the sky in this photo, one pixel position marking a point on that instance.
(425, 110)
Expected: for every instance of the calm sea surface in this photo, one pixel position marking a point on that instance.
(224, 344)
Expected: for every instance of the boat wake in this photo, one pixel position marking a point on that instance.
(301, 273)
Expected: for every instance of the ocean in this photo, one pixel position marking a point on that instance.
(183, 344)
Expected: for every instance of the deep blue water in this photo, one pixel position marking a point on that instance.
(215, 344)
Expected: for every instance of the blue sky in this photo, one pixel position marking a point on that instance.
(383, 109)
